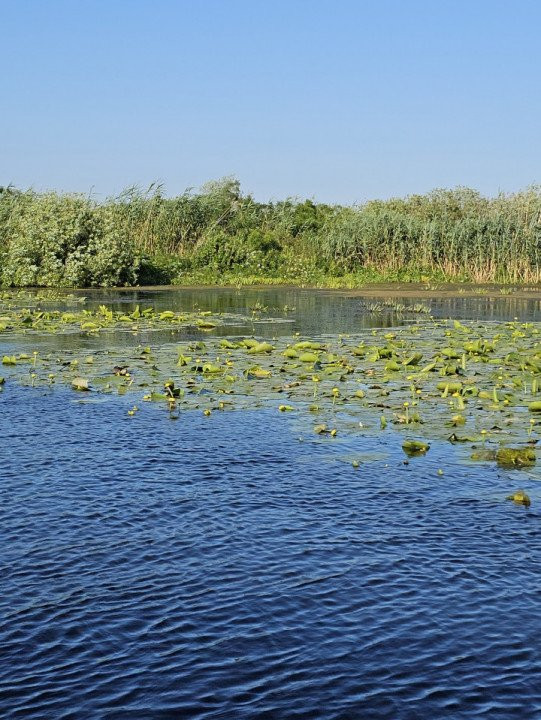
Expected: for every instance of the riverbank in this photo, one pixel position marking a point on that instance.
(199, 286)
(366, 284)
(218, 235)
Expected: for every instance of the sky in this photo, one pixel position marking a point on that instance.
(340, 101)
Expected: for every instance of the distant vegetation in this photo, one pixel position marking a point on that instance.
(217, 234)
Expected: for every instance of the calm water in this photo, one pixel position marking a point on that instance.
(237, 567)
(319, 311)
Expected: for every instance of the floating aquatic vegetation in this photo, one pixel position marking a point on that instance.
(520, 497)
(515, 457)
(415, 447)
(475, 380)
(260, 347)
(79, 383)
(308, 357)
(397, 307)
(29, 298)
(14, 318)
(322, 429)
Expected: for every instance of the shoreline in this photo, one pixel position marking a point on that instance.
(377, 290)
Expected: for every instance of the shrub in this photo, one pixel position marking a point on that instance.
(256, 250)
(65, 241)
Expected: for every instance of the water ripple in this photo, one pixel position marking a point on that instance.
(180, 573)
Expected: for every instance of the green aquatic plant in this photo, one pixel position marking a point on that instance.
(290, 353)
(322, 429)
(491, 399)
(415, 447)
(260, 347)
(205, 324)
(516, 457)
(520, 497)
(90, 322)
(171, 391)
(257, 373)
(308, 357)
(406, 406)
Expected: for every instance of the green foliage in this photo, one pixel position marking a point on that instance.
(455, 231)
(256, 250)
(64, 240)
(217, 232)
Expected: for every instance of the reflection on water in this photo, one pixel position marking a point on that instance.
(316, 312)
(322, 312)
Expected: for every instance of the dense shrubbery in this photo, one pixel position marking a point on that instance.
(63, 240)
(69, 240)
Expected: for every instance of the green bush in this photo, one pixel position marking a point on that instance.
(65, 241)
(255, 250)
(457, 232)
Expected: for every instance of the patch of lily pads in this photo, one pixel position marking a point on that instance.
(476, 385)
(38, 319)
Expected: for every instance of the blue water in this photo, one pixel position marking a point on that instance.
(238, 566)
(222, 568)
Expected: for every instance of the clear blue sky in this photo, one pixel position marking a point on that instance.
(341, 101)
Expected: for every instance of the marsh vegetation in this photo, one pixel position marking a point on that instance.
(220, 235)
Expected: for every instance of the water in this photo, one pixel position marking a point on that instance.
(230, 567)
(321, 312)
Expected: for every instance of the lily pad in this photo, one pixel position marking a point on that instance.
(520, 497)
(516, 457)
(415, 447)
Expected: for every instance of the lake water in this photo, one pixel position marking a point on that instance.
(241, 568)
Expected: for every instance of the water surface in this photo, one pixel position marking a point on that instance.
(236, 567)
